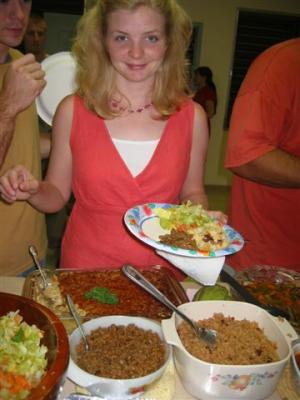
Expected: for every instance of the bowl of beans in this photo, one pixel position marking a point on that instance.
(248, 358)
(125, 355)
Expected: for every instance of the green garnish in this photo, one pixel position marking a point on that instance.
(19, 336)
(103, 295)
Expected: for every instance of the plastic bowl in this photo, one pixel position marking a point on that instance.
(115, 389)
(55, 339)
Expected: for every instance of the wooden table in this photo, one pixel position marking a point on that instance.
(285, 389)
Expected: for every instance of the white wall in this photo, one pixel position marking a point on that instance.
(219, 24)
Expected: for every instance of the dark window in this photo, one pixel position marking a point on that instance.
(58, 6)
(256, 31)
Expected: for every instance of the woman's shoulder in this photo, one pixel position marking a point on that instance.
(192, 106)
(186, 104)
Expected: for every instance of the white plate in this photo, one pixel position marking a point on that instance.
(60, 73)
(143, 223)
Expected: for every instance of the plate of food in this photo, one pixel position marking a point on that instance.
(274, 286)
(185, 230)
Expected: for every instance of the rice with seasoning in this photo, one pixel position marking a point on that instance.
(239, 342)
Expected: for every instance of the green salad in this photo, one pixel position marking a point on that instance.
(22, 357)
(183, 217)
(190, 226)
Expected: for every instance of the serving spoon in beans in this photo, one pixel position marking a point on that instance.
(78, 323)
(208, 335)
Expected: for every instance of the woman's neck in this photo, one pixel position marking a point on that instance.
(137, 93)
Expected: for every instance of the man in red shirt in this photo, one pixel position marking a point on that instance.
(263, 152)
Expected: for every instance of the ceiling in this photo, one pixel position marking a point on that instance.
(58, 6)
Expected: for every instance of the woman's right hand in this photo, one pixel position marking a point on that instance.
(18, 184)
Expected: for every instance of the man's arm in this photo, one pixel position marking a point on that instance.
(22, 83)
(276, 168)
(7, 125)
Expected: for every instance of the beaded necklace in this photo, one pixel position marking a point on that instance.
(140, 109)
(130, 110)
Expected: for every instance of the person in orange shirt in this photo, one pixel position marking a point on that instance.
(263, 152)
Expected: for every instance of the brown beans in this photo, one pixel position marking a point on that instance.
(122, 352)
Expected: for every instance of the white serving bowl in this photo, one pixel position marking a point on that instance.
(294, 365)
(115, 389)
(208, 381)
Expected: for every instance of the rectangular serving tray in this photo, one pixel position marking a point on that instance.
(32, 289)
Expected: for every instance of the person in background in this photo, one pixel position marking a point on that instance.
(21, 81)
(263, 152)
(36, 36)
(130, 135)
(206, 93)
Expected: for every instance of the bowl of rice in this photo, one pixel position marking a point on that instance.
(295, 364)
(248, 359)
(125, 355)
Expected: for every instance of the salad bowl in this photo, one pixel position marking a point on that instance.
(55, 340)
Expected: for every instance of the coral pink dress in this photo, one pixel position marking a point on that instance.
(104, 189)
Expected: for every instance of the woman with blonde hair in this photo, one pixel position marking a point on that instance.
(130, 134)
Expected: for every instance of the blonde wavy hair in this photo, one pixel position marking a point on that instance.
(95, 74)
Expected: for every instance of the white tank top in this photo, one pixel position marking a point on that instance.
(135, 153)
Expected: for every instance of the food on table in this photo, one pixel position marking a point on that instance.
(22, 357)
(284, 295)
(83, 286)
(189, 226)
(121, 352)
(215, 292)
(239, 342)
(103, 295)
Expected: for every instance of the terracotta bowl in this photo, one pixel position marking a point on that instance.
(55, 338)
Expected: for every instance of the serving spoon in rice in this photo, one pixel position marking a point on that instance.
(206, 334)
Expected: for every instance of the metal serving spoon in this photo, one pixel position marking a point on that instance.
(208, 335)
(78, 323)
(34, 254)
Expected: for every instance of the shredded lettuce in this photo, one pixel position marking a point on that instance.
(207, 233)
(21, 353)
(186, 215)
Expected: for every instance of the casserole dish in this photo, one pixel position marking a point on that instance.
(208, 381)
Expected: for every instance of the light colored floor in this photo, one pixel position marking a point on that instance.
(217, 197)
